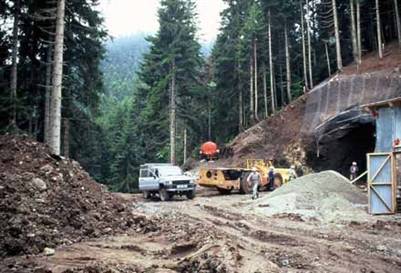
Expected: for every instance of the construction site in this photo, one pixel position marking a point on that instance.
(56, 219)
(246, 155)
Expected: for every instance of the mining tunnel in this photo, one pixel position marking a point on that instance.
(339, 141)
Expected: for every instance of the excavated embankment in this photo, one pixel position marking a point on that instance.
(46, 200)
(328, 127)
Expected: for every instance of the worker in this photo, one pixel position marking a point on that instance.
(271, 178)
(353, 171)
(292, 173)
(254, 179)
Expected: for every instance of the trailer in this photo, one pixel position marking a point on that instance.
(226, 180)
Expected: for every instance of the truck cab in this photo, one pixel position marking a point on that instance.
(165, 180)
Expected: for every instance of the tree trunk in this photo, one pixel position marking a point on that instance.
(271, 64)
(57, 81)
(172, 114)
(255, 62)
(353, 33)
(288, 64)
(265, 91)
(379, 35)
(328, 59)
(209, 120)
(358, 30)
(66, 138)
(337, 34)
(304, 46)
(241, 111)
(251, 84)
(308, 30)
(397, 18)
(47, 94)
(14, 68)
(282, 86)
(185, 145)
(240, 101)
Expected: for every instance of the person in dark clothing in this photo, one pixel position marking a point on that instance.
(271, 179)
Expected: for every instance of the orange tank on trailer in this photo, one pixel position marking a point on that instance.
(209, 150)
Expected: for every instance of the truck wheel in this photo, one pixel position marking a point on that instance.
(190, 195)
(164, 195)
(245, 187)
(224, 191)
(146, 195)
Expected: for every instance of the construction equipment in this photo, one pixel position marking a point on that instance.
(226, 180)
(209, 151)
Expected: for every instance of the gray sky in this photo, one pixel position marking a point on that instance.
(124, 17)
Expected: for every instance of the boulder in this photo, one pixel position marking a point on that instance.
(39, 184)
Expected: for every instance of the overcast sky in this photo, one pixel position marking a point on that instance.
(125, 17)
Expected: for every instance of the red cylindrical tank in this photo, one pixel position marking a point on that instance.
(209, 149)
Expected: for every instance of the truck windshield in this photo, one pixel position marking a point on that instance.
(169, 171)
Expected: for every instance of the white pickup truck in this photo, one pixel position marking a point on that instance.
(166, 180)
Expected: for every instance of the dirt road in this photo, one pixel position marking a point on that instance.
(216, 233)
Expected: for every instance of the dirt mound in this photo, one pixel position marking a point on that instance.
(46, 200)
(278, 137)
(326, 196)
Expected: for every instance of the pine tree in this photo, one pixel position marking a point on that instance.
(170, 74)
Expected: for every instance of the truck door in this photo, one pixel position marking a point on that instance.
(147, 180)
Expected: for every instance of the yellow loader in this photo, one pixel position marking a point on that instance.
(226, 180)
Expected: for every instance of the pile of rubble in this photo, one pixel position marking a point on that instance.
(47, 200)
(326, 196)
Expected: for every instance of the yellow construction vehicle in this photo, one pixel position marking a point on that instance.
(226, 180)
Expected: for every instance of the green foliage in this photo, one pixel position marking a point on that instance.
(118, 103)
(137, 127)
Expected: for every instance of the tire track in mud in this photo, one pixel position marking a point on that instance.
(304, 249)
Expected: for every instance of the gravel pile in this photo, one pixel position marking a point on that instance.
(326, 196)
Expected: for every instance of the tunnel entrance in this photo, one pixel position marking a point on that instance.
(342, 140)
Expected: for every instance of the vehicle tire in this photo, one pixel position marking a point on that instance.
(278, 180)
(245, 187)
(190, 194)
(164, 195)
(224, 191)
(146, 195)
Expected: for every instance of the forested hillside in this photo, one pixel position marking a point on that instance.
(158, 100)
(122, 60)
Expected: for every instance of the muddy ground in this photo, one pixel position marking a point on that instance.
(216, 233)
